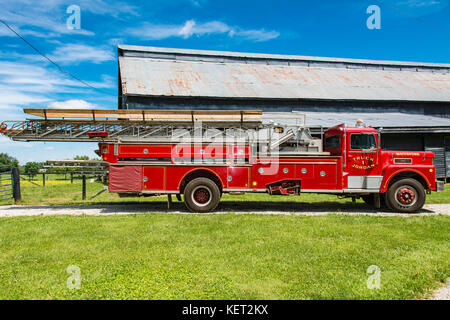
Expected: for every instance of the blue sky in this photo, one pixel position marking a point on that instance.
(411, 30)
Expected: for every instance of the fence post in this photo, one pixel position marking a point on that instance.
(43, 179)
(84, 188)
(71, 177)
(16, 185)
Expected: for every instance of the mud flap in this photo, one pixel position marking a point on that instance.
(169, 201)
(377, 200)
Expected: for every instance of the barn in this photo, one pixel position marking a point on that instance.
(409, 101)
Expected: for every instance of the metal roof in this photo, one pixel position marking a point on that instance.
(387, 120)
(165, 72)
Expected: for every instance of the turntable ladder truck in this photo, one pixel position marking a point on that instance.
(202, 154)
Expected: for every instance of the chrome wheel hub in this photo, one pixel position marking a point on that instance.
(201, 196)
(405, 196)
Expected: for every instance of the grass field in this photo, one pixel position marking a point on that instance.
(228, 256)
(161, 256)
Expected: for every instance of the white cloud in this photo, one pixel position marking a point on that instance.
(190, 28)
(34, 17)
(256, 35)
(6, 143)
(187, 31)
(70, 53)
(26, 84)
(75, 53)
(72, 104)
(50, 16)
(9, 99)
(418, 8)
(420, 3)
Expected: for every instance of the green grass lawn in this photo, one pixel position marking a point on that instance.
(166, 256)
(227, 256)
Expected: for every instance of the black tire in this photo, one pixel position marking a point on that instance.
(201, 195)
(406, 195)
(369, 199)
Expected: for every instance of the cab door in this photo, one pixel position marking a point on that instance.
(362, 161)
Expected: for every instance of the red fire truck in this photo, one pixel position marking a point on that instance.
(203, 154)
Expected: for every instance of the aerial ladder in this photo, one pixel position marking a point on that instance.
(164, 126)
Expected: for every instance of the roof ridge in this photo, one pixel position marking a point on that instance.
(126, 50)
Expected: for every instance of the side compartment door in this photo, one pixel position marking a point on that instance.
(238, 177)
(153, 178)
(325, 175)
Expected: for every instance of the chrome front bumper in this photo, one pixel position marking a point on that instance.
(439, 186)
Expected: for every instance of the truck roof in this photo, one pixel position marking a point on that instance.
(342, 126)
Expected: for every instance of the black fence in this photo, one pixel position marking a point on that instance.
(41, 178)
(10, 184)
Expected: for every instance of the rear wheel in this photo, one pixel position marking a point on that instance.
(201, 195)
(406, 195)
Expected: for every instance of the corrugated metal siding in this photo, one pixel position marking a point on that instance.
(435, 144)
(402, 142)
(171, 78)
(447, 155)
(439, 161)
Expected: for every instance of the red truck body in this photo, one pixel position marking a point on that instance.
(179, 152)
(348, 168)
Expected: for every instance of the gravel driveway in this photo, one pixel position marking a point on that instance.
(442, 293)
(224, 207)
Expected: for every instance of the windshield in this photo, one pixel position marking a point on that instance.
(362, 141)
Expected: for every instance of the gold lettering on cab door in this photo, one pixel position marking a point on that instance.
(363, 163)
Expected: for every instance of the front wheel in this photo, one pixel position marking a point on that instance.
(201, 195)
(406, 195)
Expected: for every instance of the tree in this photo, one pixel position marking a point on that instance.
(32, 168)
(8, 162)
(81, 158)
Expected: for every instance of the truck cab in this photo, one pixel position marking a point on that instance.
(398, 179)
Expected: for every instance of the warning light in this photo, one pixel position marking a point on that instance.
(431, 170)
(255, 183)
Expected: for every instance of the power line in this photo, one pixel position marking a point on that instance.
(54, 63)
